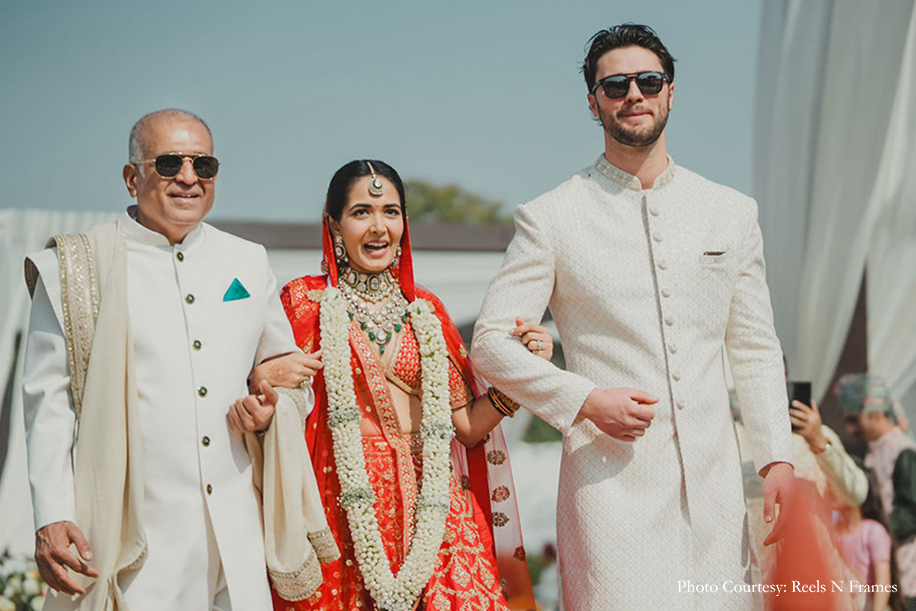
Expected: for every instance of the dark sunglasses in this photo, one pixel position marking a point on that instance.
(617, 85)
(169, 165)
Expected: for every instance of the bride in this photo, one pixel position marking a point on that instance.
(423, 521)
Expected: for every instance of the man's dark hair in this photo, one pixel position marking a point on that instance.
(625, 35)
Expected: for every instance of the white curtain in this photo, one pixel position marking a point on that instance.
(22, 232)
(892, 257)
(842, 154)
(793, 50)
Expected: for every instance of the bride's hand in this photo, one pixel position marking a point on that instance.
(535, 337)
(289, 371)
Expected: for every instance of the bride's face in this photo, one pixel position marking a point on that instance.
(371, 226)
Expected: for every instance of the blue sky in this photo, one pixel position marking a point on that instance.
(484, 94)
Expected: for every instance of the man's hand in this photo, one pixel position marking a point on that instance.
(806, 421)
(289, 371)
(622, 413)
(254, 412)
(777, 487)
(53, 555)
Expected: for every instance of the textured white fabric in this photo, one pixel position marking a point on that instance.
(892, 258)
(184, 523)
(830, 157)
(793, 48)
(640, 301)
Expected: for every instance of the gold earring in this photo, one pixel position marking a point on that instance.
(397, 258)
(340, 252)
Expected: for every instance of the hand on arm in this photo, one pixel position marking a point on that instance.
(288, 371)
(254, 412)
(535, 337)
(474, 420)
(622, 413)
(806, 421)
(53, 555)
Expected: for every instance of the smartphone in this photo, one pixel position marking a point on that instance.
(799, 391)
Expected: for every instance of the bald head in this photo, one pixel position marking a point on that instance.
(138, 145)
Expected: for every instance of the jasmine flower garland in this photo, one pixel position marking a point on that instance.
(357, 496)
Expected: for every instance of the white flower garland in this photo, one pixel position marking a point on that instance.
(357, 496)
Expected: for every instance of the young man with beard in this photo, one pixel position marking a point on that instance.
(648, 270)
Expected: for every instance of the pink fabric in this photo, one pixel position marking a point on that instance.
(867, 545)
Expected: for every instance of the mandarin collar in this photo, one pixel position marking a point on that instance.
(137, 232)
(627, 180)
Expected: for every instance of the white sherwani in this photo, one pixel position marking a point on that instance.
(645, 287)
(193, 352)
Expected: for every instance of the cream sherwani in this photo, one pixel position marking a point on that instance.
(193, 351)
(646, 287)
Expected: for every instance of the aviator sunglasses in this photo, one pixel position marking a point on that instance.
(617, 85)
(169, 165)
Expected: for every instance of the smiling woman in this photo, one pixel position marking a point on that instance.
(404, 439)
(371, 222)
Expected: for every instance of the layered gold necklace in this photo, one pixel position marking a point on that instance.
(364, 293)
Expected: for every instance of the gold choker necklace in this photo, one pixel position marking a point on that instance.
(362, 292)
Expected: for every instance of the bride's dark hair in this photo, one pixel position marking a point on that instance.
(343, 179)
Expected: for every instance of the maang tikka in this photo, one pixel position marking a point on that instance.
(375, 184)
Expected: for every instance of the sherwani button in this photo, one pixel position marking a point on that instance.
(209, 489)
(680, 404)
(653, 210)
(657, 236)
(666, 293)
(676, 376)
(205, 441)
(179, 256)
(189, 299)
(669, 320)
(662, 264)
(202, 391)
(197, 344)
(672, 348)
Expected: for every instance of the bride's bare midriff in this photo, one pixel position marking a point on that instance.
(406, 406)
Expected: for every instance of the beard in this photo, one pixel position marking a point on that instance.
(634, 136)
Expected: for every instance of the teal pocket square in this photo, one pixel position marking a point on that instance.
(236, 291)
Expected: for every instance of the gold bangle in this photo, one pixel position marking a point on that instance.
(503, 404)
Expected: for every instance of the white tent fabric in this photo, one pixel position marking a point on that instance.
(21, 232)
(830, 81)
(892, 258)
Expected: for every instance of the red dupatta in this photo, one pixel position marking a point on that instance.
(483, 471)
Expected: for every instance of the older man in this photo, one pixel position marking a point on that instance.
(142, 334)
(648, 270)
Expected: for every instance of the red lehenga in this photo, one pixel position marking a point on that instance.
(474, 570)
